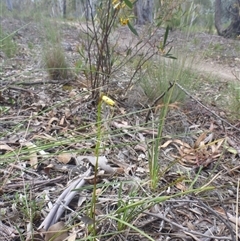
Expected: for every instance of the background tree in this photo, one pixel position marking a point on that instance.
(9, 5)
(227, 13)
(143, 10)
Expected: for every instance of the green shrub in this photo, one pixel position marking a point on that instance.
(7, 44)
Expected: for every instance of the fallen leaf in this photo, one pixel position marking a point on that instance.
(72, 237)
(65, 157)
(200, 139)
(181, 186)
(48, 168)
(102, 162)
(166, 144)
(5, 147)
(62, 121)
(57, 232)
(52, 120)
(33, 158)
(141, 147)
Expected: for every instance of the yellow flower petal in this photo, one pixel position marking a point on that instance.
(117, 6)
(124, 21)
(108, 101)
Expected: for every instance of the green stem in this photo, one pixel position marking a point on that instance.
(97, 151)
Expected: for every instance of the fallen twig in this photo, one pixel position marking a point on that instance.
(186, 230)
(226, 222)
(11, 87)
(206, 108)
(31, 183)
(156, 101)
(66, 197)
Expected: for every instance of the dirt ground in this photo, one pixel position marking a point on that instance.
(201, 148)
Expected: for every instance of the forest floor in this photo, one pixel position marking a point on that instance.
(48, 138)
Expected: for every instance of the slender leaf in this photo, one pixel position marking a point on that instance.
(165, 36)
(139, 231)
(128, 3)
(133, 30)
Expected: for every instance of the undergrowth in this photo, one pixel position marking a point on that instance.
(234, 103)
(54, 58)
(7, 44)
(114, 204)
(157, 74)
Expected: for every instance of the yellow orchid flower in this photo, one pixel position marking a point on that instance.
(108, 101)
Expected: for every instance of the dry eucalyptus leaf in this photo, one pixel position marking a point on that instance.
(57, 232)
(141, 147)
(166, 144)
(48, 168)
(200, 139)
(33, 158)
(5, 147)
(52, 120)
(72, 237)
(181, 186)
(65, 157)
(102, 162)
(62, 121)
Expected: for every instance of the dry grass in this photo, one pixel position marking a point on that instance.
(55, 63)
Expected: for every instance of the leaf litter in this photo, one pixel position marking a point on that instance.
(47, 157)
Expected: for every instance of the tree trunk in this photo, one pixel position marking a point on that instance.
(64, 8)
(143, 10)
(89, 9)
(9, 5)
(74, 6)
(233, 29)
(218, 16)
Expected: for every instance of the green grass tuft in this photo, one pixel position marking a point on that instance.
(7, 44)
(55, 63)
